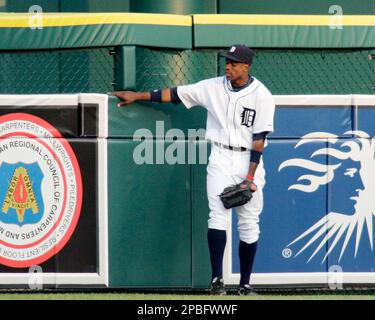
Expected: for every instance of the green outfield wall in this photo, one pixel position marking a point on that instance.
(157, 213)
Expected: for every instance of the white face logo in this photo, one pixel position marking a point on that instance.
(232, 49)
(359, 152)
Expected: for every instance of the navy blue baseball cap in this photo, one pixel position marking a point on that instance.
(239, 53)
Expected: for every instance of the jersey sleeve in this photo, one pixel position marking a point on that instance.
(191, 95)
(264, 113)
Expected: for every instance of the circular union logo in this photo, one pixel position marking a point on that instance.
(40, 190)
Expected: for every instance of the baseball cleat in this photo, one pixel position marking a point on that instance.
(217, 287)
(246, 290)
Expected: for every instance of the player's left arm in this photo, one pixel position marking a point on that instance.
(255, 156)
(262, 127)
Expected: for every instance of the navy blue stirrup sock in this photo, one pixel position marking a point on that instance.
(217, 240)
(247, 253)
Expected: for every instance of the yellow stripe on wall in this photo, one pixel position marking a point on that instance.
(16, 20)
(284, 20)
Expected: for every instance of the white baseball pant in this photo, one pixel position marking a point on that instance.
(227, 167)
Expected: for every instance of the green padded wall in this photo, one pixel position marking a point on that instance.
(201, 268)
(125, 66)
(149, 221)
(123, 122)
(157, 213)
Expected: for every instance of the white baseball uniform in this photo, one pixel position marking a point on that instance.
(232, 119)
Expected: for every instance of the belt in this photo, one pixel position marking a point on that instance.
(240, 149)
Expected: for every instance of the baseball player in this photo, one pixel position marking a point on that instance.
(240, 112)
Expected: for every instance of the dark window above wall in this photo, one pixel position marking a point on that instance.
(294, 6)
(65, 5)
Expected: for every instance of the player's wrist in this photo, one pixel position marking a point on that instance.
(156, 95)
(250, 178)
(250, 182)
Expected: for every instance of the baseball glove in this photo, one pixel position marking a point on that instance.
(236, 195)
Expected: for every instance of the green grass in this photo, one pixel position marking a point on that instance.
(152, 296)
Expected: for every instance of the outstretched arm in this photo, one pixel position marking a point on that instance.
(128, 97)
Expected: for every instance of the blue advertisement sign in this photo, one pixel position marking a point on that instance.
(318, 198)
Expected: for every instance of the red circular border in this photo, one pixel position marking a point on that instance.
(60, 244)
(27, 135)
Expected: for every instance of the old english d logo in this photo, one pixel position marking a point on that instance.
(247, 117)
(20, 193)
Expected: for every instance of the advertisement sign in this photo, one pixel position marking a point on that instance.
(318, 209)
(52, 168)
